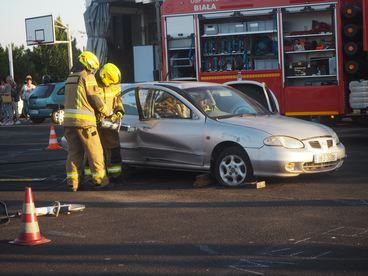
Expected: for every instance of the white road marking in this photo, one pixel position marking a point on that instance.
(333, 230)
(66, 234)
(321, 255)
(306, 239)
(208, 250)
(245, 270)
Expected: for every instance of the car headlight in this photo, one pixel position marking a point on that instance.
(335, 138)
(283, 141)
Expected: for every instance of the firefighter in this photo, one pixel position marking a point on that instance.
(109, 79)
(81, 105)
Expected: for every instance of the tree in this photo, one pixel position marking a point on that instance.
(53, 59)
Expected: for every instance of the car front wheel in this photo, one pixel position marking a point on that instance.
(57, 117)
(232, 167)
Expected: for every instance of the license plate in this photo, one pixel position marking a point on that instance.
(33, 112)
(325, 157)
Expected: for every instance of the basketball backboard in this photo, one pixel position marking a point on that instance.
(40, 30)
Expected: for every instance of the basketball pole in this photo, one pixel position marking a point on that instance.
(10, 56)
(70, 52)
(68, 42)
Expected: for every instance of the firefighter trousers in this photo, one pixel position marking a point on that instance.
(111, 146)
(83, 141)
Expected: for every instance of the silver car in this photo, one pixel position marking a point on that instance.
(215, 128)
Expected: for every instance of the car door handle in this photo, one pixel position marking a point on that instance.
(146, 127)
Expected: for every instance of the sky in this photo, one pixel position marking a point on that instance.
(14, 12)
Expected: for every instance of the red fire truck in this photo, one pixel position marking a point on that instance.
(311, 54)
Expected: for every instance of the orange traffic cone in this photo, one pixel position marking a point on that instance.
(53, 143)
(30, 232)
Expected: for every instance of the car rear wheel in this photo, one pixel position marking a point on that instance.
(37, 120)
(57, 117)
(232, 167)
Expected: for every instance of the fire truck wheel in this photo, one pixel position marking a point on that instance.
(232, 167)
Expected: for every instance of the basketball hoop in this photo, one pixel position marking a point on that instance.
(40, 30)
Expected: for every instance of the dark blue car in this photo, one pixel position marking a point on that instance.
(45, 102)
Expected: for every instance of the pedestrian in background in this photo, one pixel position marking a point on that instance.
(7, 102)
(1, 101)
(15, 102)
(25, 92)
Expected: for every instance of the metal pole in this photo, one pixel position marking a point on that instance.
(158, 26)
(10, 55)
(70, 51)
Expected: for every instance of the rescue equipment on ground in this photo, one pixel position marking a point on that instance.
(51, 210)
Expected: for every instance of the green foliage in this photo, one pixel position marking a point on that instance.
(41, 60)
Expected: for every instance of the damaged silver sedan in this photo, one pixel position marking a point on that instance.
(215, 128)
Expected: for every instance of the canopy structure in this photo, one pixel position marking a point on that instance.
(97, 19)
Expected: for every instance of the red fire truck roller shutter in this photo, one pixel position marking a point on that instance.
(365, 27)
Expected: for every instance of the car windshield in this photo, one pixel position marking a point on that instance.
(42, 91)
(223, 102)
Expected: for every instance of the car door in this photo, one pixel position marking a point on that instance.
(170, 130)
(259, 92)
(128, 135)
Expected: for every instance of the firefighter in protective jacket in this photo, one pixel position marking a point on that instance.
(109, 80)
(81, 105)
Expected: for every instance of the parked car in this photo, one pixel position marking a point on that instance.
(46, 101)
(215, 128)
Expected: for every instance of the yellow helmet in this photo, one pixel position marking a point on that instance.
(110, 74)
(89, 60)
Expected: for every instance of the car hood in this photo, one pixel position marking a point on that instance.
(281, 125)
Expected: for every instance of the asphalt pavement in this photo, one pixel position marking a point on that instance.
(157, 223)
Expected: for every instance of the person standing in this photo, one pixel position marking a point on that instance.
(7, 101)
(109, 80)
(81, 104)
(15, 102)
(25, 93)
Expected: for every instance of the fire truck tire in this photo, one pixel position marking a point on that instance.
(350, 30)
(352, 67)
(350, 11)
(351, 48)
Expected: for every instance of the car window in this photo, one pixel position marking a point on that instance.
(61, 91)
(167, 106)
(42, 91)
(159, 104)
(129, 103)
(219, 101)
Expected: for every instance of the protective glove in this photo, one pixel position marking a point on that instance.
(116, 117)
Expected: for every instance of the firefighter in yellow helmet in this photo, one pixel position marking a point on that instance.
(109, 79)
(82, 103)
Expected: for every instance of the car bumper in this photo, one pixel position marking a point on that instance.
(279, 161)
(40, 113)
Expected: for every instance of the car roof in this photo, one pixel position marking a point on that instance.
(177, 84)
